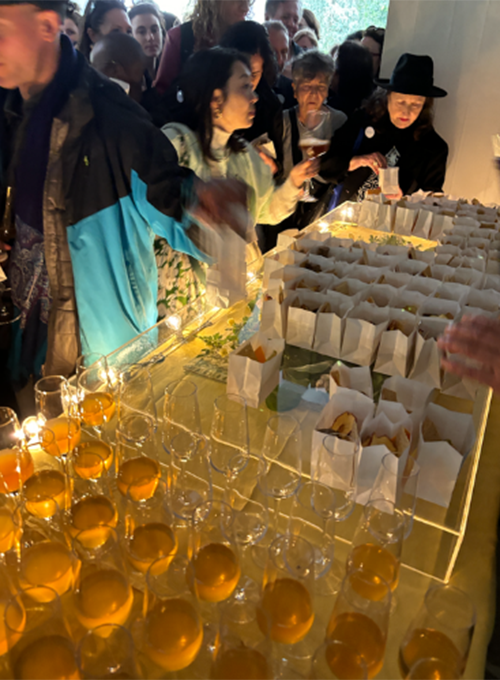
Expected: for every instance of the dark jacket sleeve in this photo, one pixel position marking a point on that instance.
(432, 175)
(335, 163)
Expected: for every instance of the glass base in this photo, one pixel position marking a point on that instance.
(308, 199)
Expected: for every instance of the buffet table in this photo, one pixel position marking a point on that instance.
(177, 348)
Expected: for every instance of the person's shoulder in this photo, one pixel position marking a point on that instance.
(177, 131)
(433, 140)
(337, 117)
(174, 34)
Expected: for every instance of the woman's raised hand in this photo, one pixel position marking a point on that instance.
(303, 171)
(374, 160)
(477, 338)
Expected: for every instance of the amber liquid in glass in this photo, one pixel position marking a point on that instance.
(42, 489)
(48, 563)
(344, 663)
(425, 643)
(9, 531)
(289, 608)
(314, 147)
(362, 634)
(48, 657)
(97, 408)
(135, 470)
(149, 542)
(92, 515)
(67, 433)
(241, 662)
(17, 622)
(216, 572)
(173, 634)
(379, 561)
(16, 466)
(104, 596)
(91, 458)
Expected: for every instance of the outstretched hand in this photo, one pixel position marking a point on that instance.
(223, 201)
(477, 338)
(374, 160)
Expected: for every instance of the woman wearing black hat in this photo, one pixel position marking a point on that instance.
(394, 128)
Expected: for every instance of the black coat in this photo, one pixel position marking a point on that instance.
(421, 162)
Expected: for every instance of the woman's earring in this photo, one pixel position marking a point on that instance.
(217, 113)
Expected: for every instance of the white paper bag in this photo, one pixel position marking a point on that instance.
(250, 379)
(440, 224)
(395, 347)
(287, 238)
(330, 324)
(404, 220)
(363, 329)
(388, 179)
(423, 223)
(386, 217)
(411, 394)
(358, 378)
(368, 214)
(427, 363)
(369, 466)
(301, 323)
(226, 280)
(272, 321)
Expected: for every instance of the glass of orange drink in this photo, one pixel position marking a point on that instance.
(378, 541)
(48, 488)
(92, 508)
(103, 593)
(40, 645)
(172, 627)
(149, 530)
(242, 649)
(57, 409)
(96, 396)
(10, 522)
(46, 559)
(285, 611)
(16, 464)
(336, 660)
(137, 456)
(108, 651)
(431, 668)
(442, 629)
(360, 617)
(7, 592)
(213, 550)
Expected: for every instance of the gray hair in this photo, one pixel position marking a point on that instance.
(275, 25)
(309, 33)
(310, 65)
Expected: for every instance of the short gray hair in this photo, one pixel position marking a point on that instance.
(275, 25)
(310, 64)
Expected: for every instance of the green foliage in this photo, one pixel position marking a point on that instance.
(339, 18)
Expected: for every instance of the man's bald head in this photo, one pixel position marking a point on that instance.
(118, 55)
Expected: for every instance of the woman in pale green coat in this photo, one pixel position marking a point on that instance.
(218, 99)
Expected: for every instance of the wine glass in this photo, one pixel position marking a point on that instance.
(398, 486)
(10, 429)
(91, 359)
(149, 532)
(56, 411)
(103, 593)
(335, 660)
(136, 456)
(190, 474)
(360, 617)
(96, 398)
(47, 490)
(313, 145)
(442, 628)
(313, 516)
(107, 652)
(136, 394)
(430, 668)
(285, 611)
(10, 523)
(181, 410)
(243, 649)
(16, 464)
(7, 591)
(283, 455)
(214, 555)
(378, 542)
(173, 629)
(40, 644)
(337, 468)
(229, 440)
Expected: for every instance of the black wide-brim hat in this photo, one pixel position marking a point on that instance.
(413, 74)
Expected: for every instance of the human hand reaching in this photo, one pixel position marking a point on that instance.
(303, 171)
(375, 161)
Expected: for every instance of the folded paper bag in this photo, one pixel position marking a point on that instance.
(356, 378)
(250, 378)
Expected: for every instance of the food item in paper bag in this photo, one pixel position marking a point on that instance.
(448, 315)
(430, 432)
(342, 288)
(396, 325)
(311, 266)
(345, 426)
(324, 251)
(374, 192)
(256, 354)
(411, 309)
(304, 284)
(396, 444)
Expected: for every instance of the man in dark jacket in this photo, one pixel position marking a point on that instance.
(94, 182)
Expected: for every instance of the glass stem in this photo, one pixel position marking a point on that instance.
(277, 504)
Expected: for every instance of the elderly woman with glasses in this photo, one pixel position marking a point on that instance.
(312, 73)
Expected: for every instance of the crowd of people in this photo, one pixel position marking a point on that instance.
(126, 133)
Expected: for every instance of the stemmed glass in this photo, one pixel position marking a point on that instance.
(283, 455)
(108, 651)
(173, 630)
(16, 463)
(360, 617)
(190, 475)
(136, 396)
(398, 486)
(442, 629)
(313, 146)
(57, 411)
(313, 515)
(285, 611)
(136, 456)
(335, 660)
(378, 542)
(337, 468)
(229, 441)
(39, 641)
(180, 410)
(96, 398)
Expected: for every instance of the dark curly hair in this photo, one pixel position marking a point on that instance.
(204, 72)
(251, 38)
(376, 107)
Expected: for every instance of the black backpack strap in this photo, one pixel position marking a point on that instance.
(187, 41)
(294, 128)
